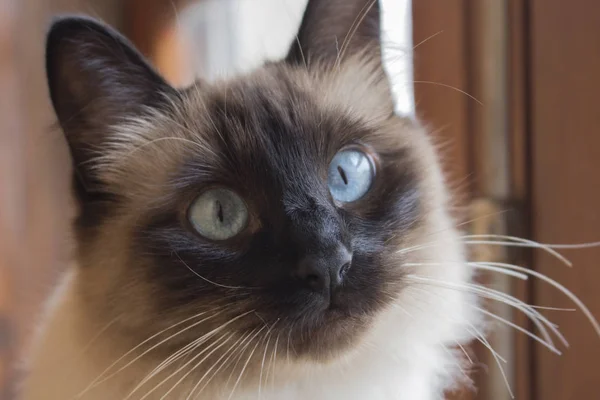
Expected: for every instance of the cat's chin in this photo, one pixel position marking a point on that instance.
(336, 334)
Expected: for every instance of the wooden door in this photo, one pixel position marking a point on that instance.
(564, 115)
(540, 116)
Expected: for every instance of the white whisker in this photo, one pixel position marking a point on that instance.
(198, 364)
(196, 343)
(352, 31)
(246, 363)
(508, 241)
(230, 352)
(427, 39)
(173, 374)
(208, 280)
(273, 361)
(517, 327)
(100, 379)
(538, 319)
(553, 308)
(465, 352)
(566, 246)
(514, 274)
(558, 286)
(262, 365)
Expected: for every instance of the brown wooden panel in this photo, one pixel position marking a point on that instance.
(480, 51)
(565, 78)
(518, 125)
(441, 77)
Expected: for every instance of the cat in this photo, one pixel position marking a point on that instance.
(279, 235)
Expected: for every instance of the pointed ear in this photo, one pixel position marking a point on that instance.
(96, 79)
(332, 30)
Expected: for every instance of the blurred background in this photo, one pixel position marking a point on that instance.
(508, 88)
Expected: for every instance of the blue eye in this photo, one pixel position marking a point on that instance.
(218, 214)
(350, 175)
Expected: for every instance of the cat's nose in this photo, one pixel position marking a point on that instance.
(324, 272)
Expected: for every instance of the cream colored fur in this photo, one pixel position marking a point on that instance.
(409, 353)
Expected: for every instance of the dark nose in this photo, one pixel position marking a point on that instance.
(324, 272)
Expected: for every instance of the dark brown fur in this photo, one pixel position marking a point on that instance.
(144, 151)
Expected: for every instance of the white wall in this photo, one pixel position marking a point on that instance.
(239, 34)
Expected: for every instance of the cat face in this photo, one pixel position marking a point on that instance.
(277, 202)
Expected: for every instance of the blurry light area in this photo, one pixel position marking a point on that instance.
(228, 37)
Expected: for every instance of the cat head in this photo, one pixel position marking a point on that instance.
(281, 203)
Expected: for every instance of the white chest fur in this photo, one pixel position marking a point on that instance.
(402, 358)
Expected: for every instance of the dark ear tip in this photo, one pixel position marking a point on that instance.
(68, 26)
(75, 22)
(73, 30)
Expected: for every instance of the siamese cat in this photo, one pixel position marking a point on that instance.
(280, 235)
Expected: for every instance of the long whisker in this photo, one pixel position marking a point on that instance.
(100, 379)
(454, 361)
(273, 361)
(554, 308)
(465, 352)
(246, 363)
(514, 274)
(529, 244)
(163, 342)
(476, 333)
(178, 354)
(172, 375)
(554, 283)
(492, 294)
(196, 343)
(453, 88)
(446, 349)
(262, 364)
(262, 367)
(517, 327)
(229, 352)
(98, 335)
(352, 31)
(427, 39)
(208, 280)
(255, 332)
(198, 364)
(182, 352)
(497, 358)
(569, 246)
(289, 339)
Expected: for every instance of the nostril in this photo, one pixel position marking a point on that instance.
(344, 269)
(312, 275)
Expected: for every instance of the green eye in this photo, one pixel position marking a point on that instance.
(218, 214)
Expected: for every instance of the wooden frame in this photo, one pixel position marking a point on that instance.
(473, 72)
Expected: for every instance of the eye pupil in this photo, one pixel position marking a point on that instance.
(218, 214)
(220, 211)
(343, 174)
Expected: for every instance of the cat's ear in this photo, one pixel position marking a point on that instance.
(332, 30)
(97, 79)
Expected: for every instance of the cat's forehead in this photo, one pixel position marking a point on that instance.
(352, 88)
(278, 118)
